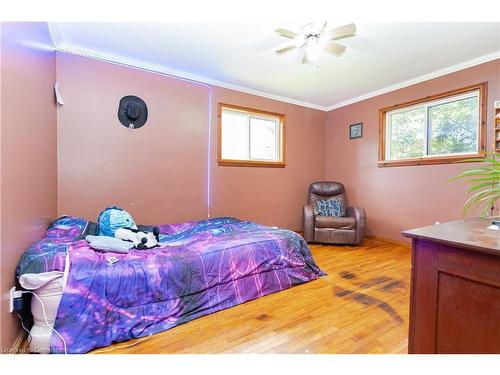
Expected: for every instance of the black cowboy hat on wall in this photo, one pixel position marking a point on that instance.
(132, 112)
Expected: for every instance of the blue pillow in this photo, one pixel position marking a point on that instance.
(330, 207)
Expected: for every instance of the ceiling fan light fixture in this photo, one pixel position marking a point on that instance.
(323, 41)
(311, 41)
(312, 54)
(312, 48)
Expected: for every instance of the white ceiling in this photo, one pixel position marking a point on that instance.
(381, 57)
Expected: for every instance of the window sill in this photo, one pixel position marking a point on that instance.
(251, 163)
(428, 160)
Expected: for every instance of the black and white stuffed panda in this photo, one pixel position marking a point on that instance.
(118, 223)
(141, 240)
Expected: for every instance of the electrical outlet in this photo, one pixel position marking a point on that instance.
(11, 298)
(14, 294)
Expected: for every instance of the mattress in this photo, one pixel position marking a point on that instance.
(201, 267)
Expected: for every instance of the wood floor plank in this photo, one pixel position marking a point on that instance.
(360, 307)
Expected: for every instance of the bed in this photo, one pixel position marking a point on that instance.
(200, 267)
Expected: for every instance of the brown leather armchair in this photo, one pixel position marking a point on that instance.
(349, 229)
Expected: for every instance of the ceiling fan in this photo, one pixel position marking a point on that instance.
(311, 41)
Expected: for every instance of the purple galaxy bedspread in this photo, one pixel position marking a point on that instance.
(200, 268)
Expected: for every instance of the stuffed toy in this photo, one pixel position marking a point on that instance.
(141, 240)
(113, 218)
(118, 223)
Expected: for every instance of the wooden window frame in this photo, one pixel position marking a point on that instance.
(281, 163)
(442, 159)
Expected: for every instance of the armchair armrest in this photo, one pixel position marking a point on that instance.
(308, 223)
(359, 214)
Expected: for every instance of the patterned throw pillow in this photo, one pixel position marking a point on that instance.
(330, 207)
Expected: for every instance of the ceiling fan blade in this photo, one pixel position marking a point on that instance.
(341, 32)
(286, 33)
(285, 49)
(334, 48)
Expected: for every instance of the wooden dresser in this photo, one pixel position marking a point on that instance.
(455, 288)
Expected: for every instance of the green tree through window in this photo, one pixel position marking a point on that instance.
(407, 131)
(441, 127)
(453, 127)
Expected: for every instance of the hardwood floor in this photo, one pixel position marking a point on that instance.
(360, 307)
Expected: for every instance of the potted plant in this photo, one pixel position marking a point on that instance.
(484, 183)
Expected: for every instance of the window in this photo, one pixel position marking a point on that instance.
(248, 137)
(439, 129)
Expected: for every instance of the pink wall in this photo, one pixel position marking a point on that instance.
(399, 198)
(2, 298)
(28, 150)
(159, 172)
(271, 196)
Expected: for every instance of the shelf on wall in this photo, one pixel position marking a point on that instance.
(496, 127)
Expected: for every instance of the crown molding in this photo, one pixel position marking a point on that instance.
(55, 34)
(173, 73)
(426, 77)
(61, 46)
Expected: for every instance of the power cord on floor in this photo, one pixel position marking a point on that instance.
(46, 320)
(124, 346)
(26, 329)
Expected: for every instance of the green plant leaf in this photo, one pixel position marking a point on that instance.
(484, 183)
(477, 173)
(478, 186)
(480, 160)
(479, 198)
(487, 180)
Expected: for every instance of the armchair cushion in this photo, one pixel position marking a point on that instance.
(337, 222)
(329, 207)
